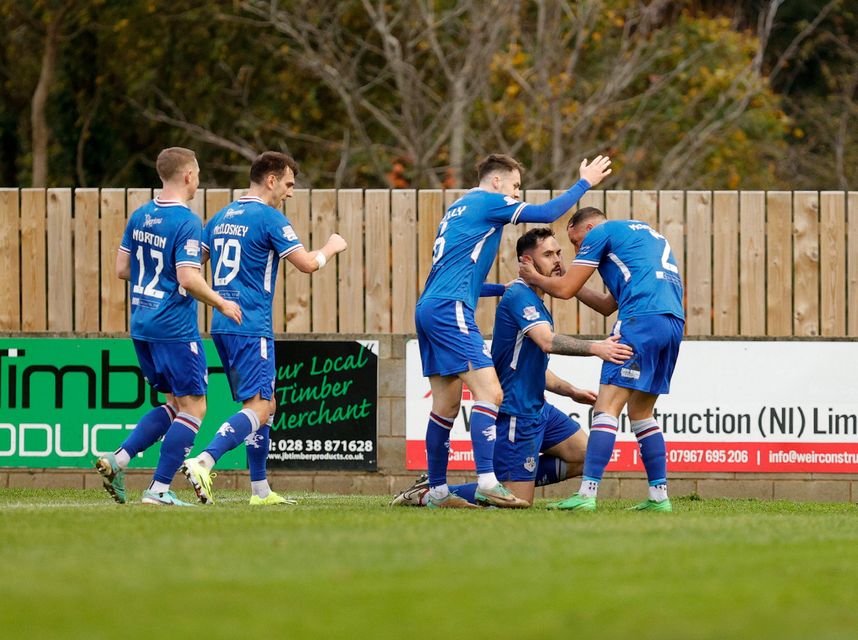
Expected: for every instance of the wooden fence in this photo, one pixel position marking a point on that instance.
(774, 263)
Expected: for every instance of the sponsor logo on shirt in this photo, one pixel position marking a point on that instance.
(289, 233)
(192, 248)
(231, 213)
(530, 313)
(151, 222)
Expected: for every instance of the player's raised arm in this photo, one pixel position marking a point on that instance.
(193, 282)
(310, 261)
(591, 175)
(603, 303)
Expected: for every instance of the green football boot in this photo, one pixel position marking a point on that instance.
(270, 500)
(653, 505)
(450, 501)
(200, 479)
(576, 502)
(500, 496)
(112, 477)
(168, 499)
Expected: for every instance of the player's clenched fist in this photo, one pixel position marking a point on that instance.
(337, 243)
(596, 171)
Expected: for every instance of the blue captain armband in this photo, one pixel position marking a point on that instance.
(489, 290)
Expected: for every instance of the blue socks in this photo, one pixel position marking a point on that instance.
(232, 433)
(438, 448)
(176, 447)
(600, 447)
(466, 491)
(483, 435)
(550, 470)
(257, 444)
(653, 450)
(150, 428)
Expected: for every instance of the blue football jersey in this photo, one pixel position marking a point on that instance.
(246, 241)
(637, 265)
(467, 243)
(519, 362)
(160, 237)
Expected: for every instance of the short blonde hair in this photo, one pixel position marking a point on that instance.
(172, 160)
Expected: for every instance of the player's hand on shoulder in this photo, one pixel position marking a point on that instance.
(612, 350)
(230, 310)
(583, 396)
(337, 243)
(596, 171)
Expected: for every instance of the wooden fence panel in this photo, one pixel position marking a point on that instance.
(86, 262)
(806, 263)
(298, 285)
(113, 290)
(404, 283)
(10, 243)
(60, 273)
(564, 312)
(725, 263)
(752, 263)
(430, 210)
(852, 274)
(832, 259)
(779, 263)
(34, 301)
(698, 286)
(591, 322)
(645, 207)
(323, 208)
(351, 264)
(378, 261)
(671, 224)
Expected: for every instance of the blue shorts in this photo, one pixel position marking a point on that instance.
(520, 441)
(248, 362)
(173, 367)
(449, 339)
(656, 341)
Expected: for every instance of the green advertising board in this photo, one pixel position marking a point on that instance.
(65, 401)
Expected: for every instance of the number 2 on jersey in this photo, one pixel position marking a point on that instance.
(230, 258)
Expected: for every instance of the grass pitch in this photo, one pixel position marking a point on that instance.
(74, 565)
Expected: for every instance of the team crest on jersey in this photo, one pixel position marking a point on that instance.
(530, 464)
(231, 213)
(289, 233)
(151, 222)
(192, 247)
(530, 314)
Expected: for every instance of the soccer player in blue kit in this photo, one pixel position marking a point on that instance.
(160, 255)
(537, 444)
(246, 241)
(452, 350)
(639, 270)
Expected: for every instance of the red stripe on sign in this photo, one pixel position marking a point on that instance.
(750, 457)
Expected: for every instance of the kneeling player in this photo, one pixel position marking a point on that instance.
(527, 426)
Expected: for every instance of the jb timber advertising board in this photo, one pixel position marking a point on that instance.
(63, 402)
(733, 406)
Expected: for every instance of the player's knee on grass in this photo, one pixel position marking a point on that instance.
(522, 490)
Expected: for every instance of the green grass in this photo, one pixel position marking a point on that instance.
(73, 565)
